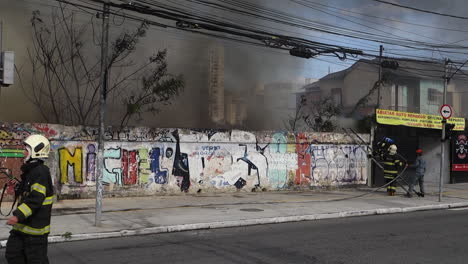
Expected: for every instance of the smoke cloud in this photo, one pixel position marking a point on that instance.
(247, 69)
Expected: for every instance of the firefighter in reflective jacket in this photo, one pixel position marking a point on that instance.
(27, 242)
(392, 166)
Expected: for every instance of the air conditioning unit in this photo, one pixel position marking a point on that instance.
(7, 67)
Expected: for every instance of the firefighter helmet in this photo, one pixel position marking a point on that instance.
(419, 151)
(39, 146)
(392, 150)
(388, 140)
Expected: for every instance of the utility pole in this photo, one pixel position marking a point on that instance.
(380, 75)
(102, 107)
(374, 124)
(444, 121)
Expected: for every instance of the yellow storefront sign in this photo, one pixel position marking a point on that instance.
(397, 118)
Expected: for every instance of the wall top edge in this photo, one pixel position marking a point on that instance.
(56, 132)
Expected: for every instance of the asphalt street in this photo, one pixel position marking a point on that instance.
(423, 237)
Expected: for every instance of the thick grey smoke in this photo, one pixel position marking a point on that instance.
(247, 69)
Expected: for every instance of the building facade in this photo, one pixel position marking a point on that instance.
(408, 86)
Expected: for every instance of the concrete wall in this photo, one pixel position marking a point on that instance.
(145, 161)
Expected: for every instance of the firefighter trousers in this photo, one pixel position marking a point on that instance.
(26, 249)
(391, 188)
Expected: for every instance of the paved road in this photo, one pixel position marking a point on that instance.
(423, 237)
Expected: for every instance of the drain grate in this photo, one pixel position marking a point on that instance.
(251, 210)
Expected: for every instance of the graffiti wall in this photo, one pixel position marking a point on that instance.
(144, 161)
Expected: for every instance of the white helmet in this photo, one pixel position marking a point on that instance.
(39, 146)
(392, 150)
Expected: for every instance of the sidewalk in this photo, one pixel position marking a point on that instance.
(74, 219)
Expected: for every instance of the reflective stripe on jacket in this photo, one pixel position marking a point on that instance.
(391, 165)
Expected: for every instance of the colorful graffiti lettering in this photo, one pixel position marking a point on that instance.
(144, 166)
(71, 162)
(160, 175)
(91, 163)
(129, 167)
(303, 175)
(112, 166)
(181, 169)
(278, 143)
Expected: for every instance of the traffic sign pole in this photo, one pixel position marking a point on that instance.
(446, 112)
(442, 142)
(442, 157)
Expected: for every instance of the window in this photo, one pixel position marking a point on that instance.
(434, 96)
(399, 97)
(430, 96)
(336, 96)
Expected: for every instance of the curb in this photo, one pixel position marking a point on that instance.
(245, 222)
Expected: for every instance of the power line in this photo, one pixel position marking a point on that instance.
(78, 8)
(287, 16)
(215, 29)
(195, 23)
(282, 18)
(421, 10)
(432, 46)
(417, 57)
(256, 26)
(159, 25)
(311, 6)
(153, 23)
(288, 20)
(251, 14)
(256, 9)
(244, 4)
(422, 72)
(191, 31)
(387, 19)
(365, 20)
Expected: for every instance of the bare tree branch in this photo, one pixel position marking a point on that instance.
(66, 72)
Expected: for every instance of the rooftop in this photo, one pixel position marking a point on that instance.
(406, 67)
